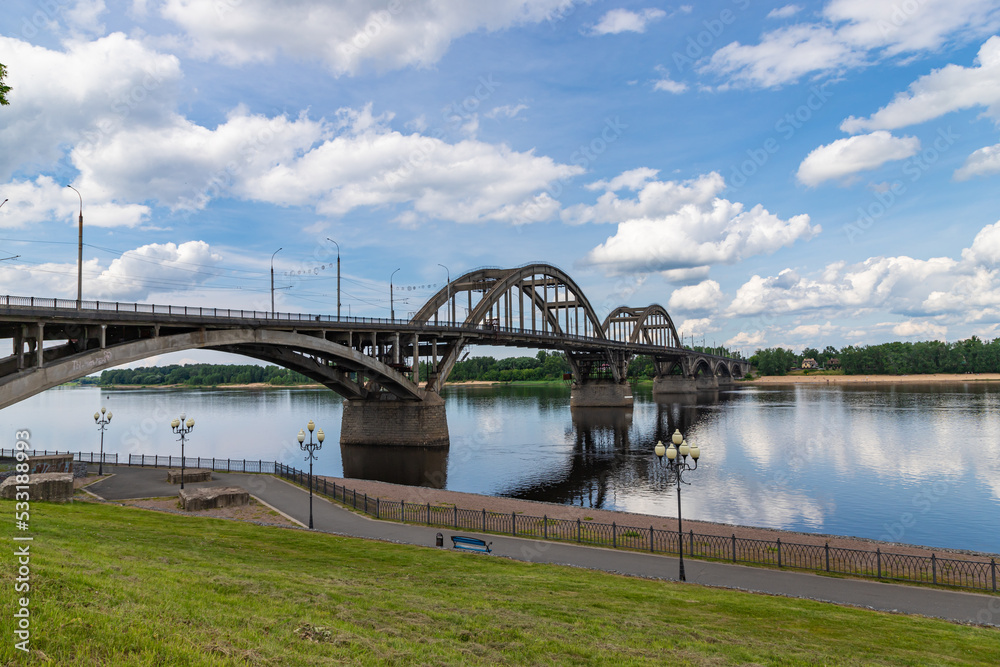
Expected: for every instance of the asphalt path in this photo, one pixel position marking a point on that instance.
(960, 606)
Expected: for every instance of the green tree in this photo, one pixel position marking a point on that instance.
(4, 89)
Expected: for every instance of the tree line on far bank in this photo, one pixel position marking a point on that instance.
(198, 375)
(972, 355)
(542, 367)
(966, 356)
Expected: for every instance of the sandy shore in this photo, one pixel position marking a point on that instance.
(876, 379)
(471, 501)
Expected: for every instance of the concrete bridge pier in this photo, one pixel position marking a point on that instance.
(706, 383)
(601, 394)
(674, 384)
(678, 384)
(394, 422)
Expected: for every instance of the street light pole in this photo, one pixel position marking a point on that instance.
(272, 280)
(102, 423)
(310, 450)
(675, 469)
(79, 254)
(338, 274)
(452, 315)
(183, 428)
(392, 310)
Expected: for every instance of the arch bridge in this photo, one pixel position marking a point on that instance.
(373, 363)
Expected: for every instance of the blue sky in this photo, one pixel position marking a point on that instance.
(803, 174)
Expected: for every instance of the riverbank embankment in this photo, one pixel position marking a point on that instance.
(954, 378)
(386, 491)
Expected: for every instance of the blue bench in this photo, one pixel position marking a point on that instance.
(470, 544)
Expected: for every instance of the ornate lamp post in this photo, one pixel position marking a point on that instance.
(675, 469)
(102, 423)
(182, 428)
(310, 449)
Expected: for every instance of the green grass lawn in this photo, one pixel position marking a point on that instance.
(122, 586)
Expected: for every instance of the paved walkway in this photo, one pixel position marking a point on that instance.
(327, 517)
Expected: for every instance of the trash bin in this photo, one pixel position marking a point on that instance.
(439, 540)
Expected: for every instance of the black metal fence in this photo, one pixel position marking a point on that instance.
(962, 573)
(154, 461)
(972, 574)
(221, 465)
(84, 457)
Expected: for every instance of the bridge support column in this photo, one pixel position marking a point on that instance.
(597, 394)
(39, 344)
(674, 384)
(707, 383)
(392, 422)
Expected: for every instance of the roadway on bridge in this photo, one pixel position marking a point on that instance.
(963, 607)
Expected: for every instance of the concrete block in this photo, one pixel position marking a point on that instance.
(213, 497)
(50, 463)
(190, 475)
(56, 487)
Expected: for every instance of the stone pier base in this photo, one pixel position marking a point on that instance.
(395, 423)
(707, 383)
(601, 395)
(674, 384)
(677, 384)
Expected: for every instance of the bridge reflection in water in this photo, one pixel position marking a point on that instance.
(609, 451)
(412, 466)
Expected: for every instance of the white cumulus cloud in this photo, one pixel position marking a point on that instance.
(944, 90)
(622, 20)
(848, 156)
(785, 12)
(851, 33)
(138, 273)
(683, 225)
(981, 162)
(346, 36)
(86, 92)
(704, 296)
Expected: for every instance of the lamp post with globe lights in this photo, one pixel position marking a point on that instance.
(310, 449)
(182, 428)
(674, 469)
(102, 422)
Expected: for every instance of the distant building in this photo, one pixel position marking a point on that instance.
(809, 364)
(833, 364)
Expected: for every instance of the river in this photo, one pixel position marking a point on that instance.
(911, 463)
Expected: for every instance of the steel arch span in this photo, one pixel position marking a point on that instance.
(535, 297)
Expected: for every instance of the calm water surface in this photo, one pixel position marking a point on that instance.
(917, 463)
